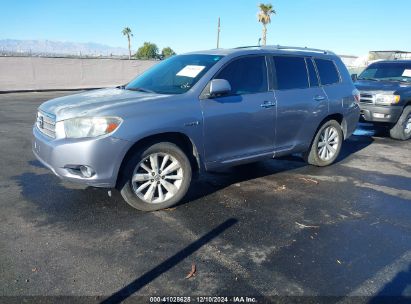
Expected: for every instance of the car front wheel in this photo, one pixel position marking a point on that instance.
(326, 145)
(156, 177)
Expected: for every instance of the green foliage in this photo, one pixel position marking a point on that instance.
(147, 51)
(167, 52)
(127, 32)
(264, 15)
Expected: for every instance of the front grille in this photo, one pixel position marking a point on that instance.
(46, 123)
(367, 98)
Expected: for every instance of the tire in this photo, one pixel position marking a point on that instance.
(402, 129)
(155, 189)
(316, 156)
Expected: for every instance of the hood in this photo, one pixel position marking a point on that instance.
(93, 102)
(389, 86)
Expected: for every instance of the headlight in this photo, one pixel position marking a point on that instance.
(87, 127)
(387, 99)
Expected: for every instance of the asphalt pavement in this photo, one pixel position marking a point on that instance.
(273, 228)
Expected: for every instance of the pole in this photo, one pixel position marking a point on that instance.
(218, 34)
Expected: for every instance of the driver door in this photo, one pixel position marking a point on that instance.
(241, 124)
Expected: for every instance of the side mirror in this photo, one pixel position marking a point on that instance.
(354, 77)
(219, 87)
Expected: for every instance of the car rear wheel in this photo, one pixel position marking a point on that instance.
(402, 129)
(156, 177)
(326, 145)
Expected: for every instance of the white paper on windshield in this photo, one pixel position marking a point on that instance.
(407, 73)
(191, 71)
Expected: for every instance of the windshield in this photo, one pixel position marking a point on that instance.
(175, 75)
(388, 71)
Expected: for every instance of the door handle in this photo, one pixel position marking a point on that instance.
(319, 98)
(267, 104)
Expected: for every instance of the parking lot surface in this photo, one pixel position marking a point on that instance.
(278, 227)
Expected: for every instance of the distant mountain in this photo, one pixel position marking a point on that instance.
(59, 48)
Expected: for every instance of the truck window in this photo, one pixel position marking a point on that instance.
(391, 71)
(327, 71)
(246, 75)
(291, 73)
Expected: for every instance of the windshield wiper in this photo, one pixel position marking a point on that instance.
(372, 79)
(140, 90)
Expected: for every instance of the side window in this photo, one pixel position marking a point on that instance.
(327, 71)
(246, 75)
(312, 73)
(291, 73)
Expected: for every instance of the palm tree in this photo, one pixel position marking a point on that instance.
(127, 32)
(264, 16)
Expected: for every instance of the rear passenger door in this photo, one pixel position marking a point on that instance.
(301, 102)
(240, 125)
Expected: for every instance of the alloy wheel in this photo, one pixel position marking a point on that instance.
(407, 124)
(328, 143)
(157, 178)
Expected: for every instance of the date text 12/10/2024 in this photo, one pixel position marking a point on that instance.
(203, 299)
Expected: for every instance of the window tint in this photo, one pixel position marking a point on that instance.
(312, 73)
(291, 73)
(246, 75)
(327, 71)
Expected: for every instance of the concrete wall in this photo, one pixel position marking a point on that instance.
(34, 73)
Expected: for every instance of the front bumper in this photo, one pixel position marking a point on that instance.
(374, 113)
(104, 155)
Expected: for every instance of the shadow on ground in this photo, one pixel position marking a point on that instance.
(212, 182)
(368, 129)
(400, 286)
(169, 263)
(353, 145)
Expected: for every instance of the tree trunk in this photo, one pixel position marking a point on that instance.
(264, 40)
(129, 48)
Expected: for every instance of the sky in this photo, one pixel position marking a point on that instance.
(345, 26)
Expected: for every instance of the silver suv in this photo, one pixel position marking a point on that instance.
(195, 112)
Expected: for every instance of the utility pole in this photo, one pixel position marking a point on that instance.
(218, 34)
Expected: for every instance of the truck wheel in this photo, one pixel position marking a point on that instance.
(402, 129)
(156, 177)
(326, 145)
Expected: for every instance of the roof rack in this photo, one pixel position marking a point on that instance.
(282, 47)
(247, 46)
(296, 48)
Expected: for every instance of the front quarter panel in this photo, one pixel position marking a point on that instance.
(405, 96)
(180, 113)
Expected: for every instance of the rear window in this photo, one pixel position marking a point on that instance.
(327, 71)
(291, 73)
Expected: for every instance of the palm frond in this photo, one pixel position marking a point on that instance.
(264, 15)
(127, 31)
